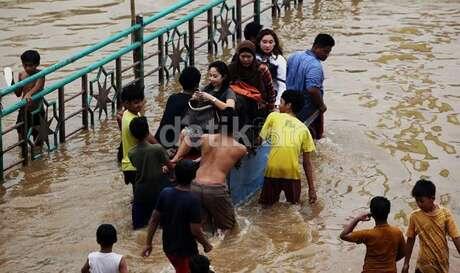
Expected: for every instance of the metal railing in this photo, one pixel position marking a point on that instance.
(51, 117)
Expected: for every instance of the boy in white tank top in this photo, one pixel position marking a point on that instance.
(105, 261)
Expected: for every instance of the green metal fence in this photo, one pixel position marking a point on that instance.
(223, 20)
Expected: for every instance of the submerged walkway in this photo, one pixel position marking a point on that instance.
(393, 116)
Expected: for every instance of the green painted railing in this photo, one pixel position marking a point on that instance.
(168, 37)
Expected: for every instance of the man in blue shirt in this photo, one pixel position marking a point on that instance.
(305, 74)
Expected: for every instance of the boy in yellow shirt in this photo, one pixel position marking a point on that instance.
(431, 223)
(288, 138)
(132, 97)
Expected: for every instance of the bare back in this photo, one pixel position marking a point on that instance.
(219, 153)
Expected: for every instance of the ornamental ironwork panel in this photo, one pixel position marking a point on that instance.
(175, 53)
(105, 82)
(224, 25)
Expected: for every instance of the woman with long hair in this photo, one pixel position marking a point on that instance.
(269, 52)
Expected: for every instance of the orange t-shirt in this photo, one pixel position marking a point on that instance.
(383, 244)
(432, 230)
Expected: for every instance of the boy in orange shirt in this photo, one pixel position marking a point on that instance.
(431, 223)
(384, 243)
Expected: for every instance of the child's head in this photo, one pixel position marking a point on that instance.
(380, 208)
(251, 30)
(199, 264)
(218, 74)
(132, 97)
(139, 128)
(424, 192)
(106, 235)
(30, 61)
(190, 78)
(291, 101)
(185, 171)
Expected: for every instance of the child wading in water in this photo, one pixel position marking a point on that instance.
(149, 161)
(178, 211)
(384, 243)
(432, 223)
(30, 61)
(104, 260)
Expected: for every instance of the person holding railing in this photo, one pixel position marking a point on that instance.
(30, 61)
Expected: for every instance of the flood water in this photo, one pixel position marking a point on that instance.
(392, 90)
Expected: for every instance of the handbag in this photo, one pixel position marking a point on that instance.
(200, 115)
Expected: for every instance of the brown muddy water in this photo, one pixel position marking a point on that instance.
(392, 90)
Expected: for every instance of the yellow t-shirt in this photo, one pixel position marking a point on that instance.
(383, 244)
(288, 137)
(432, 230)
(128, 140)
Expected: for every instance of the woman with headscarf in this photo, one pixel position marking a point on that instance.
(252, 82)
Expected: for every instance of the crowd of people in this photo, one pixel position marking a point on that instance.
(179, 174)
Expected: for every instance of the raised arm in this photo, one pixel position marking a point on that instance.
(152, 228)
(346, 232)
(308, 169)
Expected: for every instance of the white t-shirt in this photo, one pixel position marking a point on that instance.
(104, 262)
(280, 82)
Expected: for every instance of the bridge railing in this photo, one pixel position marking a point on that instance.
(222, 23)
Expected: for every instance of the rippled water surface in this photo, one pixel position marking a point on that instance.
(392, 90)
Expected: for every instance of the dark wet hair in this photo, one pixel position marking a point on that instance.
(139, 128)
(251, 30)
(185, 171)
(277, 50)
(424, 188)
(295, 98)
(106, 235)
(380, 208)
(190, 78)
(324, 40)
(226, 121)
(30, 56)
(222, 68)
(199, 264)
(132, 92)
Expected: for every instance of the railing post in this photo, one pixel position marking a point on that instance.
(191, 43)
(210, 38)
(161, 52)
(257, 11)
(118, 82)
(1, 143)
(61, 114)
(24, 145)
(238, 21)
(84, 101)
(138, 53)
